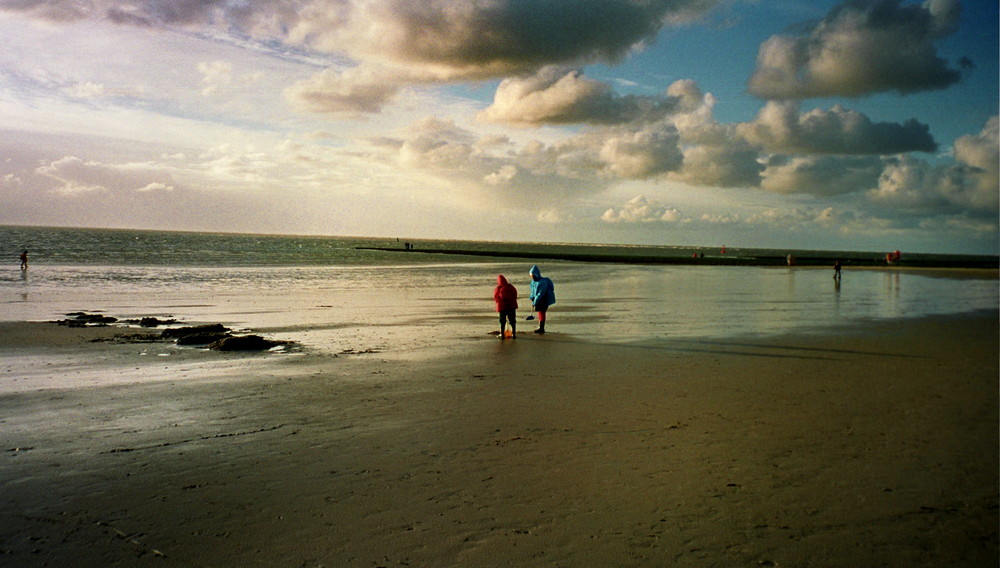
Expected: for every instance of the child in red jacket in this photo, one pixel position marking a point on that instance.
(505, 295)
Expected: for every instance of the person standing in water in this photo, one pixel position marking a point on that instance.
(24, 259)
(836, 270)
(505, 296)
(543, 295)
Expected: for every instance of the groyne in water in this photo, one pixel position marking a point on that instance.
(733, 258)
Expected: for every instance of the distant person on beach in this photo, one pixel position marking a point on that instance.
(836, 270)
(543, 295)
(505, 296)
(24, 260)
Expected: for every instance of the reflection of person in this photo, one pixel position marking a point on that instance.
(505, 296)
(24, 260)
(543, 295)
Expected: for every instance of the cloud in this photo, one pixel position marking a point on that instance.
(820, 175)
(502, 176)
(215, 75)
(75, 176)
(714, 154)
(641, 210)
(970, 184)
(821, 152)
(540, 173)
(396, 43)
(554, 217)
(796, 218)
(901, 182)
(143, 13)
(644, 152)
(457, 38)
(246, 166)
(156, 186)
(556, 95)
(861, 47)
(400, 43)
(51, 10)
(779, 127)
(437, 144)
(961, 226)
(86, 90)
(10, 181)
(534, 175)
(728, 161)
(356, 91)
(981, 154)
(641, 154)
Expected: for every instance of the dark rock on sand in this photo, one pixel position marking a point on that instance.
(216, 336)
(130, 338)
(201, 338)
(211, 329)
(83, 319)
(155, 322)
(244, 343)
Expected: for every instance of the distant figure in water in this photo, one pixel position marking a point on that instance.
(836, 270)
(791, 259)
(24, 260)
(505, 296)
(543, 295)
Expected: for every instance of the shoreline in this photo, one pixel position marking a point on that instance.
(871, 447)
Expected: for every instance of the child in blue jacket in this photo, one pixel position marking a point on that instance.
(543, 295)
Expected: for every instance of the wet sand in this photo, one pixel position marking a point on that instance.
(876, 447)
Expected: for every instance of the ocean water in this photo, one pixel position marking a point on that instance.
(327, 294)
(111, 247)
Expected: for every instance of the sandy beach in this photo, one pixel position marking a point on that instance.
(876, 447)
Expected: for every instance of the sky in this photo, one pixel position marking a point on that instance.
(799, 124)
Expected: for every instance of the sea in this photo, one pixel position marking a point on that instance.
(353, 293)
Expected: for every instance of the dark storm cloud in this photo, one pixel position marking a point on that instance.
(401, 42)
(471, 38)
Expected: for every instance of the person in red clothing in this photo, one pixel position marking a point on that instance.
(505, 296)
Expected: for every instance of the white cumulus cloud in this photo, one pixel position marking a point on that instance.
(860, 47)
(970, 184)
(779, 127)
(641, 210)
(555, 95)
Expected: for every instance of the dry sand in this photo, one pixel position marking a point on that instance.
(878, 448)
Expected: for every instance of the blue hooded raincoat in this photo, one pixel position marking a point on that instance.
(543, 293)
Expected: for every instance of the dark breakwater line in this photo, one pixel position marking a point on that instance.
(847, 259)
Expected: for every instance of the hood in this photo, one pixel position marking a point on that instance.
(501, 281)
(535, 271)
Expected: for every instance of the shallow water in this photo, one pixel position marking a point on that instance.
(408, 307)
(419, 312)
